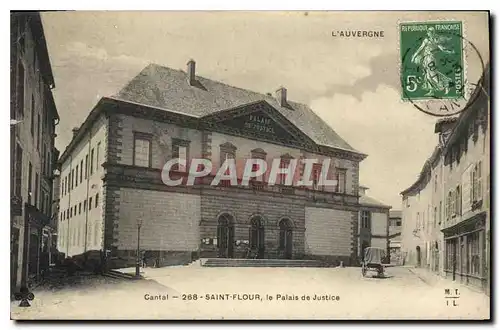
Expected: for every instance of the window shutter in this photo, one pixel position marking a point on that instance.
(471, 186)
(479, 182)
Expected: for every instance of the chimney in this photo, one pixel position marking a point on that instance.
(75, 131)
(191, 72)
(280, 95)
(362, 190)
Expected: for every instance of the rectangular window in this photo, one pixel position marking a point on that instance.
(96, 200)
(72, 179)
(30, 182)
(44, 163)
(81, 171)
(38, 132)
(341, 180)
(458, 200)
(224, 155)
(19, 170)
(90, 203)
(70, 212)
(97, 156)
(85, 205)
(284, 163)
(80, 208)
(142, 150)
(42, 201)
(440, 211)
(474, 252)
(365, 219)
(76, 179)
(477, 190)
(316, 172)
(92, 161)
(86, 166)
(20, 86)
(32, 126)
(37, 187)
(452, 204)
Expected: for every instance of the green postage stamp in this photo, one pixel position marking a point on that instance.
(432, 63)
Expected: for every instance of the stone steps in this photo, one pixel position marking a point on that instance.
(119, 275)
(222, 262)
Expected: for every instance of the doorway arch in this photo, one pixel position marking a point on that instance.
(286, 239)
(225, 235)
(257, 236)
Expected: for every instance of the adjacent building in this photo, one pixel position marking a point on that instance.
(373, 223)
(446, 212)
(111, 176)
(33, 155)
(395, 227)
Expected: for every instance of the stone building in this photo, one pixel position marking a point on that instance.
(373, 223)
(446, 212)
(111, 176)
(395, 226)
(33, 155)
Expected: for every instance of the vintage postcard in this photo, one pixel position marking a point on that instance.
(250, 165)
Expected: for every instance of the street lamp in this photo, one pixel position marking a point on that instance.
(138, 262)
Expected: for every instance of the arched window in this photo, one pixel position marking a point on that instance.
(255, 229)
(225, 234)
(285, 230)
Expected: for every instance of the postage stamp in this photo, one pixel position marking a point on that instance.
(432, 61)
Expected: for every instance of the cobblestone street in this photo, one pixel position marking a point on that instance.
(401, 295)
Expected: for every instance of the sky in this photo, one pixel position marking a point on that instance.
(351, 83)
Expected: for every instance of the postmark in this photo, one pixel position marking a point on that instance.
(434, 74)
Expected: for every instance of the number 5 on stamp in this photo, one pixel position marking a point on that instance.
(432, 64)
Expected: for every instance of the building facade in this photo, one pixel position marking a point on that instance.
(446, 212)
(395, 227)
(373, 223)
(111, 185)
(33, 155)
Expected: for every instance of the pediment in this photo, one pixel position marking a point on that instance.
(258, 121)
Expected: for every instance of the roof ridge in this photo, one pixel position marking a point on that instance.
(223, 83)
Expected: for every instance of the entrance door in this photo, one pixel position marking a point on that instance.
(286, 239)
(257, 236)
(225, 236)
(419, 257)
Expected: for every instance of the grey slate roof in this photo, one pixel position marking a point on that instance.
(369, 201)
(168, 89)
